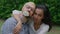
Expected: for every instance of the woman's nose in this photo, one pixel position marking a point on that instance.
(36, 16)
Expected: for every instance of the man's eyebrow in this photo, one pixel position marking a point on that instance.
(29, 6)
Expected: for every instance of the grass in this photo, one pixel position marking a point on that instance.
(54, 30)
(1, 22)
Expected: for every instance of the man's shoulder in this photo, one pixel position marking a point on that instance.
(11, 19)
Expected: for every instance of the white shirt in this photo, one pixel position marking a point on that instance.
(42, 30)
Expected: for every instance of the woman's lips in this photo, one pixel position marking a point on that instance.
(35, 18)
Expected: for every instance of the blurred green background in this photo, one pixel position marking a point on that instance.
(7, 6)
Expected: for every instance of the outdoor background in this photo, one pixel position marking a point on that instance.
(7, 6)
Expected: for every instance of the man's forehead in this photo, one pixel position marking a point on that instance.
(31, 4)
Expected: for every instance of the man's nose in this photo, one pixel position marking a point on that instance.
(29, 10)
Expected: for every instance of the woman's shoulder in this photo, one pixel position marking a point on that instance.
(44, 26)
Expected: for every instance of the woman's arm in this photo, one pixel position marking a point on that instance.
(20, 19)
(19, 24)
(19, 16)
(18, 27)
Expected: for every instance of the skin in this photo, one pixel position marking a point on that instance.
(38, 16)
(29, 6)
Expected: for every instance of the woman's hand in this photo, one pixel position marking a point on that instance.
(17, 14)
(20, 17)
(17, 17)
(17, 28)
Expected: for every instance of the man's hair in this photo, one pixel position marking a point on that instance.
(30, 3)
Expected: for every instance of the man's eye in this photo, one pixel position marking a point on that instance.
(32, 9)
(28, 7)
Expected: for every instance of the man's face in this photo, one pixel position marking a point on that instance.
(29, 7)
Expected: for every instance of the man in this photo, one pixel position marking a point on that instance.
(10, 25)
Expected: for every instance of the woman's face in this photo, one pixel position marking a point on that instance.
(38, 15)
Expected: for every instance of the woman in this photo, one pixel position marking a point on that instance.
(41, 20)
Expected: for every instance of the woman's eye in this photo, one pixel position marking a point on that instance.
(39, 15)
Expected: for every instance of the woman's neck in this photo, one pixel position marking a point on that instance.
(37, 25)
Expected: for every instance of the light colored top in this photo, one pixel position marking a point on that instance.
(10, 24)
(42, 30)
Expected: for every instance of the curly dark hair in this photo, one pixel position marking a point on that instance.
(47, 16)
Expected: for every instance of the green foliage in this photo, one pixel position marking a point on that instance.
(7, 6)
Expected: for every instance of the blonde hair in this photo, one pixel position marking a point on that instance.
(32, 3)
